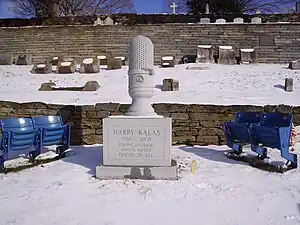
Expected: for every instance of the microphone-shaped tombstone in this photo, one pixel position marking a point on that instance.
(140, 76)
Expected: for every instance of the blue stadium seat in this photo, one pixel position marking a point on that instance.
(18, 134)
(53, 131)
(274, 131)
(237, 131)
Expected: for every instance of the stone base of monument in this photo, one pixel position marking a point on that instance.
(137, 147)
(137, 172)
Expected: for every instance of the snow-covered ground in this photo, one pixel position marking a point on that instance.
(222, 192)
(259, 84)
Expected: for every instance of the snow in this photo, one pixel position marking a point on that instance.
(217, 84)
(222, 191)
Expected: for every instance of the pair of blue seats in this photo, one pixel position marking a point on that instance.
(261, 130)
(20, 134)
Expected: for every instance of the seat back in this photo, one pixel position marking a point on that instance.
(47, 121)
(268, 131)
(248, 117)
(277, 119)
(52, 127)
(16, 124)
(18, 134)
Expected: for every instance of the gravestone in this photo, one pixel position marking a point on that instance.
(102, 59)
(6, 59)
(68, 65)
(207, 8)
(248, 55)
(90, 65)
(294, 65)
(197, 68)
(122, 59)
(167, 61)
(238, 20)
(265, 40)
(174, 6)
(220, 21)
(188, 59)
(114, 64)
(138, 144)
(170, 84)
(226, 55)
(47, 86)
(23, 59)
(256, 20)
(205, 20)
(204, 54)
(288, 84)
(91, 86)
(42, 68)
(55, 59)
(108, 21)
(98, 21)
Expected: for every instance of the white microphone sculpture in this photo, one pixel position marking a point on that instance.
(140, 76)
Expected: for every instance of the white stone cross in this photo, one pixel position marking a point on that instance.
(174, 6)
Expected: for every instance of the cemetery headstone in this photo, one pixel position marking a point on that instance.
(108, 21)
(167, 61)
(114, 64)
(288, 84)
(6, 59)
(174, 6)
(68, 65)
(42, 68)
(47, 86)
(102, 59)
(207, 8)
(188, 59)
(23, 59)
(197, 68)
(248, 55)
(98, 21)
(123, 59)
(170, 84)
(220, 21)
(205, 20)
(90, 65)
(294, 65)
(204, 54)
(138, 144)
(238, 20)
(256, 20)
(226, 55)
(91, 86)
(55, 59)
(265, 40)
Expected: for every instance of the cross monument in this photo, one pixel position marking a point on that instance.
(174, 6)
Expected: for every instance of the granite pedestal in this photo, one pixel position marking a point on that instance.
(137, 147)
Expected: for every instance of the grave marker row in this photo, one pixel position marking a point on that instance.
(235, 20)
(108, 21)
(226, 55)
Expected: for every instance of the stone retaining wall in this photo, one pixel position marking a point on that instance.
(192, 124)
(274, 42)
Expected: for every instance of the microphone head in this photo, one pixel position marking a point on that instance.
(141, 54)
